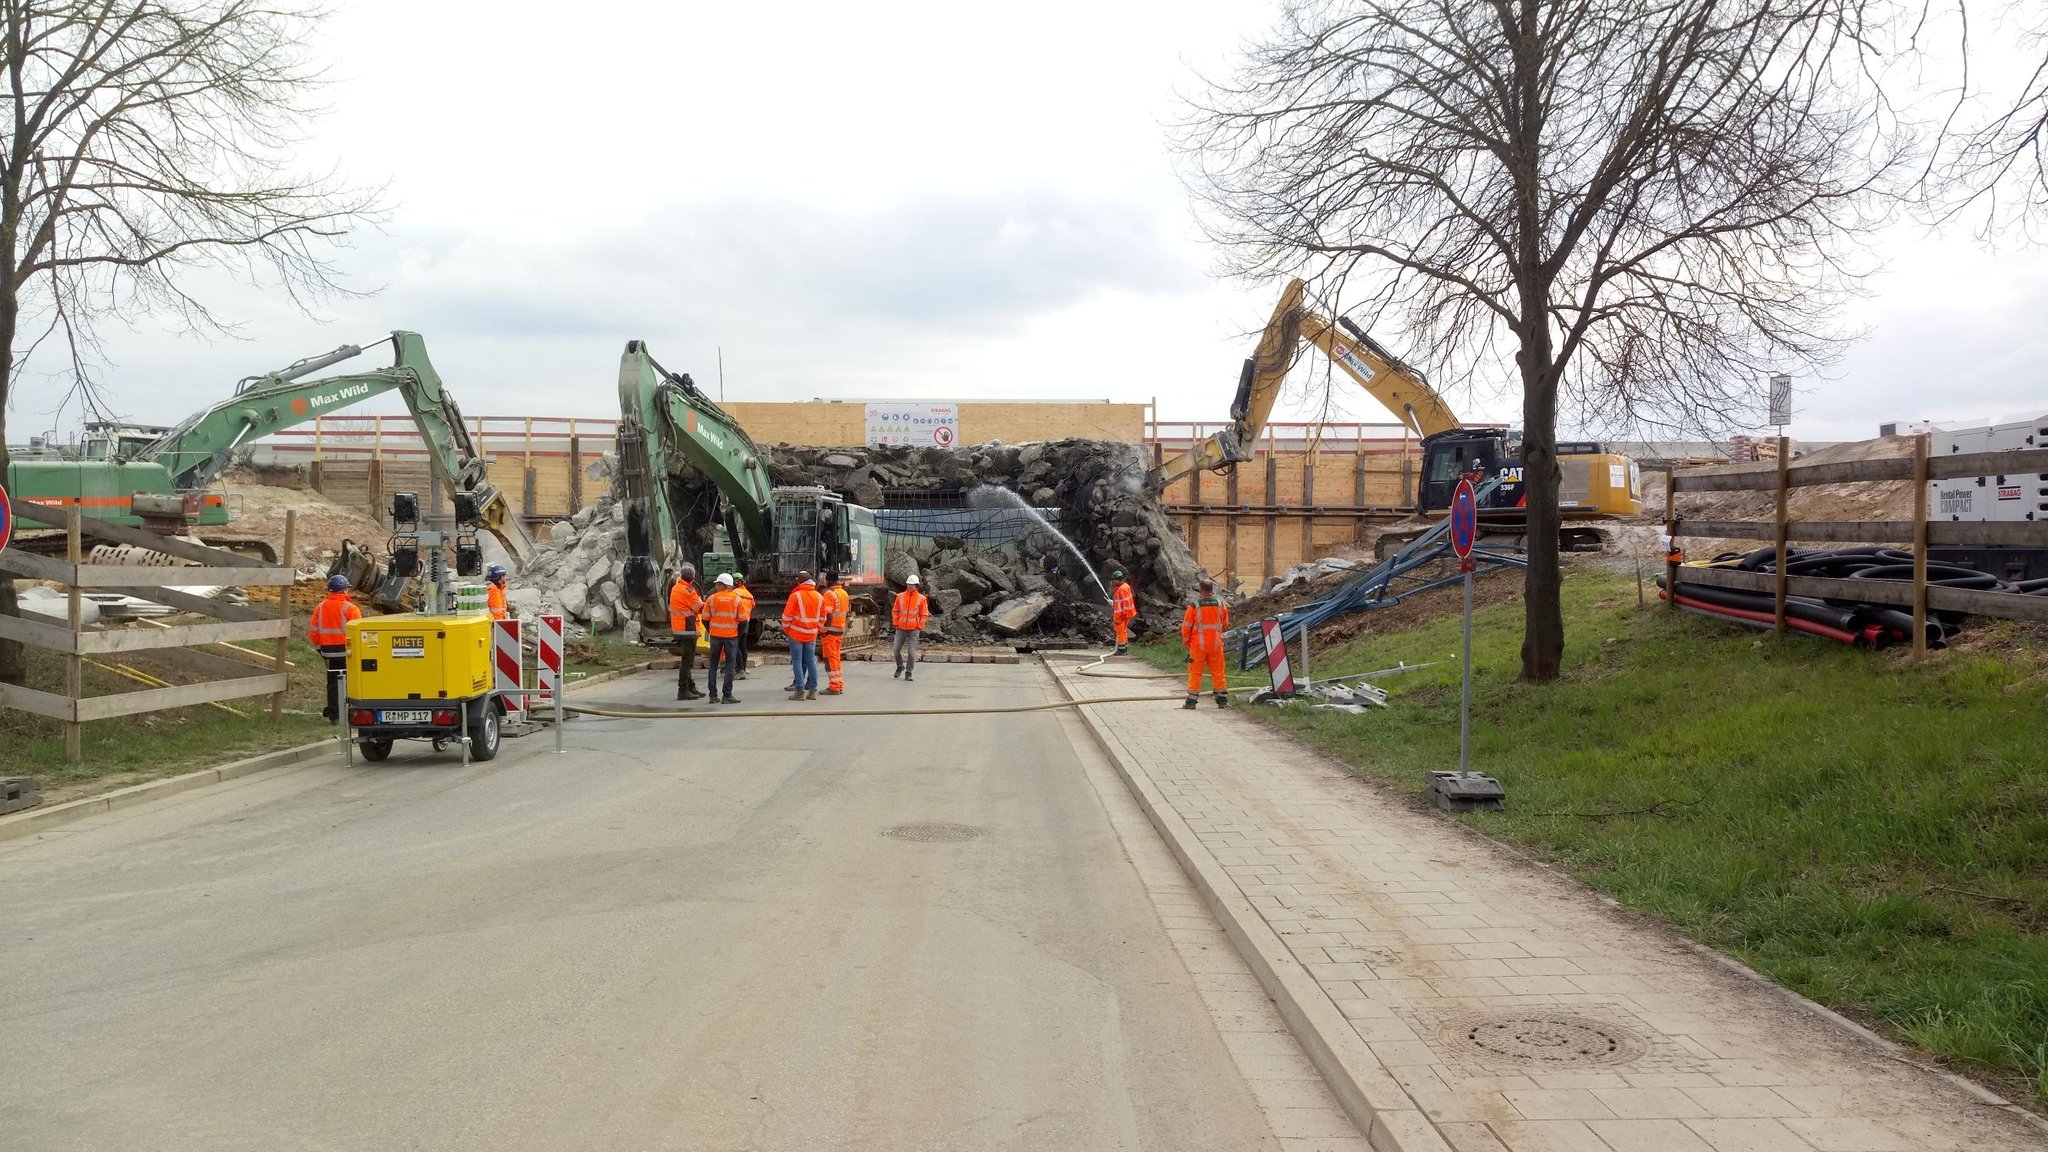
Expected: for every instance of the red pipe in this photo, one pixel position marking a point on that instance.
(1791, 621)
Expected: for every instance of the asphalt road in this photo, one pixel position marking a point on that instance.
(675, 935)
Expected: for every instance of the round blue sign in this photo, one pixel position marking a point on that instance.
(1464, 519)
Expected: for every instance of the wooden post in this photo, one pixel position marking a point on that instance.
(1195, 517)
(74, 663)
(529, 447)
(376, 488)
(1784, 459)
(376, 439)
(1357, 479)
(1407, 472)
(284, 608)
(575, 472)
(1919, 546)
(1308, 504)
(318, 423)
(1671, 532)
(1272, 496)
(1230, 526)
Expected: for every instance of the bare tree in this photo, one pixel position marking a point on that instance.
(1994, 164)
(1643, 206)
(150, 139)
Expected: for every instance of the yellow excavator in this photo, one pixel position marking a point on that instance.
(1597, 484)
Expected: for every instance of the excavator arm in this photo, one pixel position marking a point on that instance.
(1400, 388)
(667, 421)
(198, 450)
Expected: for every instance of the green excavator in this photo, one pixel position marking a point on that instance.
(696, 491)
(167, 483)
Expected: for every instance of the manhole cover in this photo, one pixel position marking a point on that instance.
(933, 833)
(1544, 1038)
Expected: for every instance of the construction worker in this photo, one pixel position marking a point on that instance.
(803, 618)
(739, 583)
(328, 632)
(1201, 629)
(723, 620)
(832, 641)
(1123, 608)
(908, 615)
(684, 605)
(494, 591)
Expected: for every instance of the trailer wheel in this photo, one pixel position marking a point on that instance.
(484, 732)
(376, 751)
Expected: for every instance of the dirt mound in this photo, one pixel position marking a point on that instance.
(257, 510)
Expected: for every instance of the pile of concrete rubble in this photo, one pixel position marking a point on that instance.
(579, 569)
(1034, 586)
(1030, 587)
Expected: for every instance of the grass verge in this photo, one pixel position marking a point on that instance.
(1867, 832)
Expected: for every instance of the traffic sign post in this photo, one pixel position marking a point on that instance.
(1463, 790)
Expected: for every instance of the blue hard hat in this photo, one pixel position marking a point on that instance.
(337, 583)
(494, 572)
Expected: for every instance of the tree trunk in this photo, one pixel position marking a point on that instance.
(1542, 584)
(13, 657)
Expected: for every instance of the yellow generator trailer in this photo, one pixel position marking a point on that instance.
(422, 678)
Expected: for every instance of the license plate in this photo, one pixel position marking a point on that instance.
(405, 717)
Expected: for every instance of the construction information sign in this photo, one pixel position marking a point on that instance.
(925, 425)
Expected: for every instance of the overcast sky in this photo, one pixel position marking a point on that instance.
(888, 200)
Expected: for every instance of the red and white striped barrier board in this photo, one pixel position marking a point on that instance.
(1276, 658)
(549, 662)
(505, 658)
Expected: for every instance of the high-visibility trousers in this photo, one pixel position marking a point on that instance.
(831, 646)
(1123, 633)
(1212, 660)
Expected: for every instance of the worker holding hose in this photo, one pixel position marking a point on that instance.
(1123, 608)
(723, 613)
(1202, 627)
(803, 617)
(907, 615)
(832, 641)
(683, 606)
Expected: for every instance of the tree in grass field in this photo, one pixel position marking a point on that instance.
(1633, 210)
(144, 141)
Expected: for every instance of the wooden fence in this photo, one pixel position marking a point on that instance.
(177, 645)
(1919, 532)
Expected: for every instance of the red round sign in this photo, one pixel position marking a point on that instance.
(1464, 519)
(6, 518)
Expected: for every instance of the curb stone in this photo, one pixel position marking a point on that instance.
(1368, 1093)
(42, 819)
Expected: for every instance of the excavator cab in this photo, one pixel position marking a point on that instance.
(1448, 456)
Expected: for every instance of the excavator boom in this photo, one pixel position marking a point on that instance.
(199, 449)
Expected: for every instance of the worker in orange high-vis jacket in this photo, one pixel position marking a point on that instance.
(739, 584)
(328, 632)
(684, 606)
(907, 615)
(803, 618)
(832, 641)
(494, 592)
(1123, 608)
(1201, 628)
(724, 616)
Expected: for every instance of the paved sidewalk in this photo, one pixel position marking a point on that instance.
(1519, 1011)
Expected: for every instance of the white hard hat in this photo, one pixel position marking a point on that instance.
(910, 579)
(725, 578)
